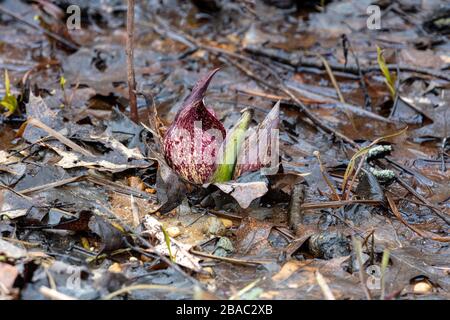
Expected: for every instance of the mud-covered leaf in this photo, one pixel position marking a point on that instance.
(111, 236)
(252, 237)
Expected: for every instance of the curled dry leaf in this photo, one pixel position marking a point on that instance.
(171, 189)
(119, 158)
(111, 236)
(12, 205)
(11, 251)
(261, 144)
(244, 192)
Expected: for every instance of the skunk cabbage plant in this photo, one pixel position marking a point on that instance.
(197, 146)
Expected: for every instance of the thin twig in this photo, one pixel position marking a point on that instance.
(358, 251)
(326, 100)
(324, 175)
(337, 204)
(327, 293)
(226, 259)
(130, 63)
(296, 61)
(367, 99)
(155, 287)
(54, 295)
(421, 198)
(52, 184)
(422, 233)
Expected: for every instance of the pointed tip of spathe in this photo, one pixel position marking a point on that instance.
(204, 81)
(198, 91)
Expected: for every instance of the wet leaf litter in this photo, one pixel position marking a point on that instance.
(355, 205)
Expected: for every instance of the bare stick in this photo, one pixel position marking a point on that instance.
(130, 62)
(420, 232)
(54, 295)
(337, 204)
(226, 259)
(296, 60)
(326, 291)
(358, 251)
(151, 287)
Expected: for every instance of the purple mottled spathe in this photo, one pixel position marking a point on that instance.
(191, 151)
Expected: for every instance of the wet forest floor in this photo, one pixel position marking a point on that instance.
(86, 212)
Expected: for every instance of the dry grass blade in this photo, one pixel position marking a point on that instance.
(230, 260)
(52, 184)
(336, 86)
(325, 177)
(337, 204)
(60, 137)
(244, 290)
(54, 295)
(327, 293)
(384, 264)
(155, 287)
(358, 251)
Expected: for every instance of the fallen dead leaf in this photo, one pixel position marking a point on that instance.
(179, 251)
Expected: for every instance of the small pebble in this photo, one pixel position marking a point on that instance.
(422, 288)
(224, 247)
(209, 270)
(115, 268)
(227, 223)
(173, 232)
(214, 226)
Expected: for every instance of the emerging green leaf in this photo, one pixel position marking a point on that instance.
(231, 147)
(388, 78)
(9, 101)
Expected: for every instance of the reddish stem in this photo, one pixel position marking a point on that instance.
(130, 62)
